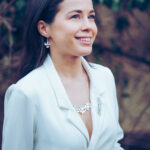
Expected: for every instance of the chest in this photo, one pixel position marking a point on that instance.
(79, 94)
(63, 127)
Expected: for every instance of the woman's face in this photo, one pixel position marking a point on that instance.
(73, 30)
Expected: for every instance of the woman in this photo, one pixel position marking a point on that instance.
(61, 102)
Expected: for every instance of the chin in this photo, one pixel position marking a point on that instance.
(85, 52)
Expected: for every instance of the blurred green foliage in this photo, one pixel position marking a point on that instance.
(11, 14)
(117, 5)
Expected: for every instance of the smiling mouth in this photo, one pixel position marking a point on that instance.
(85, 40)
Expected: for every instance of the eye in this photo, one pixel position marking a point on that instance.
(76, 16)
(92, 17)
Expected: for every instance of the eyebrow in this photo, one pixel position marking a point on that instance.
(80, 11)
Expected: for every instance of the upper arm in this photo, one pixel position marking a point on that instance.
(19, 120)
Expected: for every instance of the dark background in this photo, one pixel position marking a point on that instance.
(122, 44)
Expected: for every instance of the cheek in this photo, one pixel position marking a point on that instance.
(64, 38)
(66, 31)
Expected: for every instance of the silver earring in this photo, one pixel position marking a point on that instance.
(47, 44)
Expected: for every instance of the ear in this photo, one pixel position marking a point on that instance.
(43, 28)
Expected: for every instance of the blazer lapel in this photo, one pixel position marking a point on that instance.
(62, 99)
(97, 91)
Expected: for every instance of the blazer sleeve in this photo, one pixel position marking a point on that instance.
(19, 120)
(119, 133)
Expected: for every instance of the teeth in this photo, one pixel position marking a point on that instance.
(85, 39)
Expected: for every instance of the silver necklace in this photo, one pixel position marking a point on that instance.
(81, 110)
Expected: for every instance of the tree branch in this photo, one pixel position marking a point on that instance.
(101, 48)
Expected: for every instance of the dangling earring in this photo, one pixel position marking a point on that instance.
(47, 44)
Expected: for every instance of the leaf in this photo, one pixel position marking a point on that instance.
(117, 68)
(6, 61)
(20, 4)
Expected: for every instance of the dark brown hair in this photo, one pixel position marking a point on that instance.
(35, 52)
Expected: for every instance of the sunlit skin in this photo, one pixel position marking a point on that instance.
(71, 35)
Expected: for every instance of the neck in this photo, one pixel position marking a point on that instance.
(68, 66)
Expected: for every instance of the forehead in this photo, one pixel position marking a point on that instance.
(69, 5)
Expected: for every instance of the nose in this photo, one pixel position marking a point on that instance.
(86, 24)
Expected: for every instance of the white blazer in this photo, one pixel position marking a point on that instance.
(38, 114)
